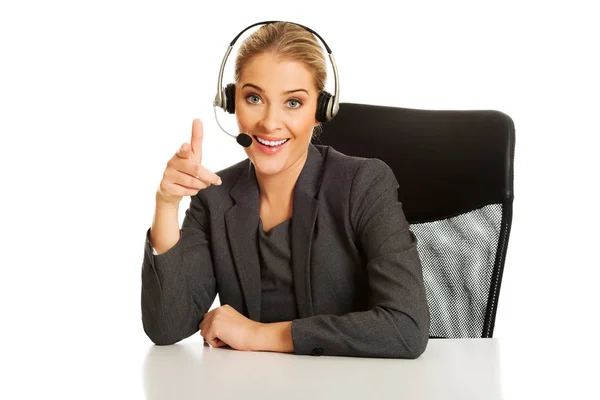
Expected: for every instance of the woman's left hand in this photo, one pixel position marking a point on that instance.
(224, 326)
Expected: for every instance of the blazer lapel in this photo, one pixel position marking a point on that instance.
(241, 222)
(304, 217)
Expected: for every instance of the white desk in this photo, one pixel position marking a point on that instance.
(449, 369)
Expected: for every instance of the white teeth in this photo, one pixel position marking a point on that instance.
(271, 143)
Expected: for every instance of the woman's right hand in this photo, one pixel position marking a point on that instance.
(185, 175)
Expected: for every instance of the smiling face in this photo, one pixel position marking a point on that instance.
(276, 101)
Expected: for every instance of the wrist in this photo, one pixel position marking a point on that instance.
(165, 205)
(261, 337)
(276, 336)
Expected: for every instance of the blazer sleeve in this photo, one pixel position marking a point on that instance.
(397, 322)
(178, 286)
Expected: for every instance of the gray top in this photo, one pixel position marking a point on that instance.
(278, 302)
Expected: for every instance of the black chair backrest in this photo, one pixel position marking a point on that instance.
(455, 171)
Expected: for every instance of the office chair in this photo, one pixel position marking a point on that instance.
(455, 171)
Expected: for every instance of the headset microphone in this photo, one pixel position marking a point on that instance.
(244, 140)
(327, 105)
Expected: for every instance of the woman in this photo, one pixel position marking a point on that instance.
(309, 249)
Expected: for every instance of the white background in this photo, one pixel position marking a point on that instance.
(95, 97)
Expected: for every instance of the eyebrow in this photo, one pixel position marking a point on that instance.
(286, 92)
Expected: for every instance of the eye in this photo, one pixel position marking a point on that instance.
(252, 99)
(294, 103)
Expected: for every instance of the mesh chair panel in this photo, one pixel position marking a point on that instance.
(458, 256)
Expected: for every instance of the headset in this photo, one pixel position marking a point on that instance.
(327, 105)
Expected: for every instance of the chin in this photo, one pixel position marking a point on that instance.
(274, 164)
(268, 167)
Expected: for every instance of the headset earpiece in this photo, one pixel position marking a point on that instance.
(230, 98)
(324, 104)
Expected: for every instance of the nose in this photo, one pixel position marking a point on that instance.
(271, 119)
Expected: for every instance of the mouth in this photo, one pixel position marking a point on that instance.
(270, 147)
(271, 143)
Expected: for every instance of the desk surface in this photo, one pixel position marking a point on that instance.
(105, 365)
(449, 368)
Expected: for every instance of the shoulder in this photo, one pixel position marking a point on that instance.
(358, 172)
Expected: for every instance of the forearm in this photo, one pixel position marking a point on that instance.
(276, 336)
(178, 285)
(173, 296)
(378, 332)
(164, 233)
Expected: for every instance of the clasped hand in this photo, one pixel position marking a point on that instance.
(225, 326)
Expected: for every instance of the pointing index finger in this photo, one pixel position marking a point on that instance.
(197, 135)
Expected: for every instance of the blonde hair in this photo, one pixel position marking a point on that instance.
(286, 40)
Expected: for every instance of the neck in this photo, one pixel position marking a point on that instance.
(277, 190)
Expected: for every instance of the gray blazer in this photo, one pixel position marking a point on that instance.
(357, 274)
